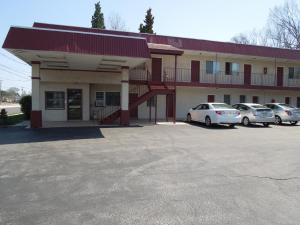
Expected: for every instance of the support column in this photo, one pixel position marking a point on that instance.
(124, 119)
(36, 112)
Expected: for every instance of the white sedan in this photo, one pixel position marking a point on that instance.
(214, 113)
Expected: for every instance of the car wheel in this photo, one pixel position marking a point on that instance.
(294, 123)
(246, 121)
(278, 120)
(207, 121)
(189, 118)
(266, 124)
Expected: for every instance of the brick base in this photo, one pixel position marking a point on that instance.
(124, 119)
(36, 119)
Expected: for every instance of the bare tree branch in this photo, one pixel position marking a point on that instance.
(115, 22)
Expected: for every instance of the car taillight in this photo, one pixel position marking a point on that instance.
(220, 112)
(288, 112)
(238, 113)
(254, 112)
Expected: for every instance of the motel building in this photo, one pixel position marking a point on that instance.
(85, 74)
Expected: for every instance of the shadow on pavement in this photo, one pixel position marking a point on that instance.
(213, 127)
(15, 135)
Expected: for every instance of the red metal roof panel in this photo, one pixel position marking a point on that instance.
(75, 42)
(194, 44)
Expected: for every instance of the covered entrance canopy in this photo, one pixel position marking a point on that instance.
(65, 50)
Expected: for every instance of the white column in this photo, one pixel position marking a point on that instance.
(124, 119)
(35, 76)
(125, 89)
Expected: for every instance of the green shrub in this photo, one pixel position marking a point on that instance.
(25, 103)
(3, 116)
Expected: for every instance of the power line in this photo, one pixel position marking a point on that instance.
(12, 73)
(15, 71)
(12, 59)
(4, 79)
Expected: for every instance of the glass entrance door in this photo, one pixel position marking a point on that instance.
(74, 104)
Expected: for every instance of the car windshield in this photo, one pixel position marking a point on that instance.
(287, 106)
(259, 107)
(221, 106)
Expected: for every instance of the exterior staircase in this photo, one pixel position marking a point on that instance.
(153, 90)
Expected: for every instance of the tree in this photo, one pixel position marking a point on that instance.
(25, 103)
(98, 18)
(116, 22)
(284, 26)
(282, 29)
(147, 27)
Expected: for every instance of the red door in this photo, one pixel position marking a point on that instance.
(210, 98)
(247, 74)
(279, 76)
(132, 98)
(195, 71)
(169, 106)
(156, 69)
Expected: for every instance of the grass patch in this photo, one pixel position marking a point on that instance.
(13, 119)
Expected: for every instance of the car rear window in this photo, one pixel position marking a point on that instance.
(259, 107)
(287, 106)
(222, 106)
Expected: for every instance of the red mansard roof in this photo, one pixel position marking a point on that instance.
(193, 44)
(75, 42)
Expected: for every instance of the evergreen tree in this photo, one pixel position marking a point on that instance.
(149, 21)
(98, 18)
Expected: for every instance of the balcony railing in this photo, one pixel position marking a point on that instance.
(263, 79)
(185, 75)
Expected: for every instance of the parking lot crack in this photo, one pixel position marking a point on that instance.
(270, 178)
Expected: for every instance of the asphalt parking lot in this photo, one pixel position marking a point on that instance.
(151, 175)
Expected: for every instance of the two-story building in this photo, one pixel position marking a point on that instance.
(91, 74)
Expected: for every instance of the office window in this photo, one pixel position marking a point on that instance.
(212, 67)
(242, 98)
(112, 98)
(255, 99)
(151, 102)
(232, 68)
(294, 72)
(55, 100)
(287, 100)
(99, 99)
(227, 99)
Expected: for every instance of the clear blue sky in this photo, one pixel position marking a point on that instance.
(213, 19)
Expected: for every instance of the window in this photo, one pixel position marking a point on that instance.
(55, 100)
(255, 99)
(232, 68)
(151, 102)
(212, 67)
(227, 99)
(242, 98)
(298, 102)
(265, 70)
(112, 98)
(99, 99)
(204, 107)
(287, 100)
(294, 73)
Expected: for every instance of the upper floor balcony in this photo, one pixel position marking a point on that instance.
(187, 76)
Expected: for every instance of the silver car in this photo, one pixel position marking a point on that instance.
(285, 113)
(255, 113)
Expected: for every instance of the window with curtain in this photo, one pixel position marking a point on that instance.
(232, 68)
(212, 67)
(294, 72)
